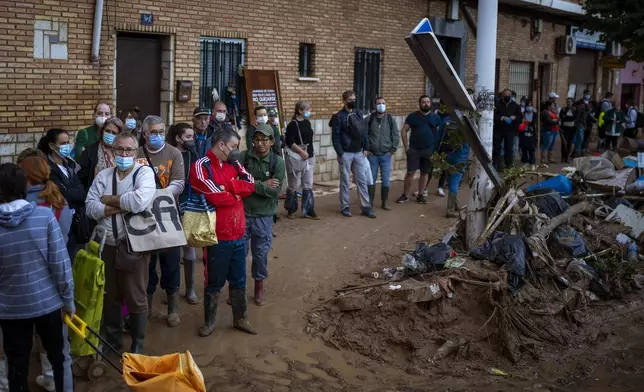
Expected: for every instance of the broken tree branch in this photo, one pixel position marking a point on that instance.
(562, 218)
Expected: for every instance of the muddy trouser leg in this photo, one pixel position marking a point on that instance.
(308, 202)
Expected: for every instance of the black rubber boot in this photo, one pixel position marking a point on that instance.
(189, 277)
(138, 325)
(371, 189)
(384, 194)
(240, 312)
(210, 313)
(112, 326)
(173, 310)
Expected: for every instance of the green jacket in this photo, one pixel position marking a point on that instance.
(250, 134)
(85, 137)
(263, 202)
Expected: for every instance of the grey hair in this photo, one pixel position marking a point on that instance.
(126, 135)
(151, 120)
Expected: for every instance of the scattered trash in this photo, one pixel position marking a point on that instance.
(549, 202)
(497, 372)
(629, 218)
(456, 262)
(507, 250)
(394, 287)
(427, 258)
(569, 239)
(558, 183)
(594, 168)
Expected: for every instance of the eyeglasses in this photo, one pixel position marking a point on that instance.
(263, 141)
(124, 151)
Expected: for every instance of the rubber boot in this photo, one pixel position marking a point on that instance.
(371, 189)
(229, 300)
(173, 310)
(240, 311)
(260, 300)
(138, 325)
(112, 326)
(384, 194)
(452, 211)
(210, 313)
(189, 277)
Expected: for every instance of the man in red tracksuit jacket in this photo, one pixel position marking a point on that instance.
(224, 182)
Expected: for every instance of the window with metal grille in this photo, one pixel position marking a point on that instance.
(366, 78)
(520, 80)
(307, 60)
(220, 61)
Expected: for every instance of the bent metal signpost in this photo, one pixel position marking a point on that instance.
(157, 227)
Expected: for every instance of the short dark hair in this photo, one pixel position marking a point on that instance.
(347, 94)
(506, 90)
(258, 108)
(50, 137)
(423, 97)
(224, 135)
(13, 183)
(377, 98)
(586, 91)
(176, 130)
(608, 94)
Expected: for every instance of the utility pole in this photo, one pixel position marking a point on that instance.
(480, 191)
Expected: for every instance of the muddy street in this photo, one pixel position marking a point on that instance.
(309, 260)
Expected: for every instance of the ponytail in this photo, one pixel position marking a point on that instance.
(37, 170)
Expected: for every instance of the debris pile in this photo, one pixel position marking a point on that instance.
(549, 257)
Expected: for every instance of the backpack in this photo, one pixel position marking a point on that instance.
(272, 165)
(57, 211)
(639, 122)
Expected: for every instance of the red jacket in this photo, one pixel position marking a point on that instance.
(224, 186)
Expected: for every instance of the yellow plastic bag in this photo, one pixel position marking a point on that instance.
(199, 221)
(173, 372)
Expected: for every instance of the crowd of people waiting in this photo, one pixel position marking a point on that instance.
(56, 194)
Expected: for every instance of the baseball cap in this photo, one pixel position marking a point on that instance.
(272, 113)
(200, 111)
(265, 130)
(554, 95)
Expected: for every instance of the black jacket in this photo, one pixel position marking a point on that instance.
(71, 187)
(509, 109)
(88, 161)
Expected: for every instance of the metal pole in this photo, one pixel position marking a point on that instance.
(538, 129)
(485, 69)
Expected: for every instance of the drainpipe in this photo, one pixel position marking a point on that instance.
(96, 34)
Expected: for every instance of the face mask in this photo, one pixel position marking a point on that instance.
(220, 117)
(529, 108)
(381, 107)
(262, 119)
(130, 124)
(351, 105)
(100, 121)
(123, 163)
(108, 138)
(64, 150)
(507, 99)
(307, 114)
(189, 144)
(233, 156)
(513, 99)
(587, 97)
(276, 121)
(156, 141)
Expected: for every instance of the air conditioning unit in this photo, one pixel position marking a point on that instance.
(566, 45)
(614, 49)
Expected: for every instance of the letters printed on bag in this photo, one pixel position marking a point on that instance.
(157, 227)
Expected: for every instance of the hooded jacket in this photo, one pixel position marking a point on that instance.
(349, 132)
(224, 185)
(35, 271)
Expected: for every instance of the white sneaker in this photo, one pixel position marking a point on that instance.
(425, 193)
(440, 192)
(46, 383)
(415, 194)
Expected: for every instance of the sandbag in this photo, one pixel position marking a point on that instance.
(594, 168)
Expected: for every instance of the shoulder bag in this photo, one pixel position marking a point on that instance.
(126, 260)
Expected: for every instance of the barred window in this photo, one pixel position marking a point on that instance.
(366, 78)
(307, 60)
(220, 61)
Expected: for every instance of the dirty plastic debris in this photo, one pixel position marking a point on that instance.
(395, 287)
(507, 250)
(570, 240)
(628, 217)
(559, 183)
(549, 202)
(394, 274)
(455, 262)
(427, 258)
(497, 372)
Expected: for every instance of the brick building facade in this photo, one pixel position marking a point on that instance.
(47, 79)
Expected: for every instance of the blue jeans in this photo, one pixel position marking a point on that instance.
(223, 262)
(548, 139)
(170, 261)
(579, 140)
(259, 239)
(382, 162)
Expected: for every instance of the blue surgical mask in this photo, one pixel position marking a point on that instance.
(587, 97)
(529, 108)
(130, 124)
(108, 138)
(381, 107)
(157, 141)
(64, 150)
(123, 163)
(307, 114)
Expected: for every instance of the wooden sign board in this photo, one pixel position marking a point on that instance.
(263, 88)
(613, 63)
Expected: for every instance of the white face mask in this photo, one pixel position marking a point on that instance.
(262, 119)
(100, 121)
(276, 121)
(220, 117)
